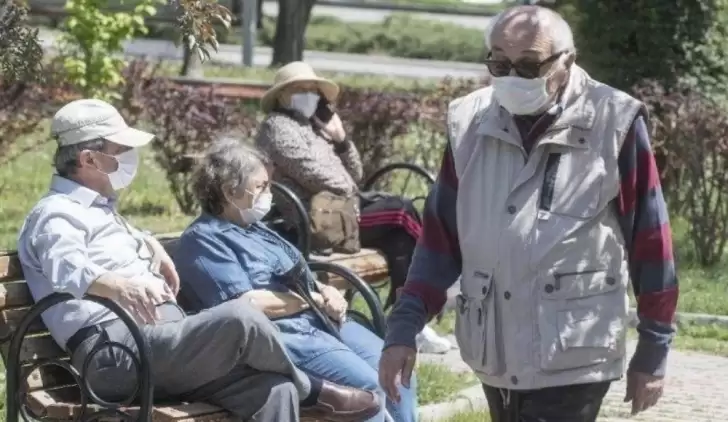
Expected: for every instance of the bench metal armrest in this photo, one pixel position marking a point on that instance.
(417, 169)
(303, 228)
(145, 389)
(370, 297)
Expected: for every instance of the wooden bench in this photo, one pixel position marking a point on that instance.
(39, 378)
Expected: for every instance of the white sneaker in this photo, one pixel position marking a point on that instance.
(428, 341)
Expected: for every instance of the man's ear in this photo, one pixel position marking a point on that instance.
(85, 158)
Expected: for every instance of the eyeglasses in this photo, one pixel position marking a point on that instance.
(525, 68)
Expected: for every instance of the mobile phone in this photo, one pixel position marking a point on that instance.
(323, 110)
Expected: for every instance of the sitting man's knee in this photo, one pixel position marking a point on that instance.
(241, 315)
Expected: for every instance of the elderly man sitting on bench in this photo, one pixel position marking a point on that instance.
(74, 241)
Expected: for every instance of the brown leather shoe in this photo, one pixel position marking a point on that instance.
(337, 403)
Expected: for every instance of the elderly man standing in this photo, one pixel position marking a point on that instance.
(74, 241)
(547, 203)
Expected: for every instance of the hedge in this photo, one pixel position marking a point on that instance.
(399, 35)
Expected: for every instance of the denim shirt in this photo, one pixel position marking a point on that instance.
(218, 261)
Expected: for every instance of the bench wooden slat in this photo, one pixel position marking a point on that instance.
(14, 294)
(61, 404)
(46, 377)
(10, 269)
(10, 319)
(369, 264)
(38, 347)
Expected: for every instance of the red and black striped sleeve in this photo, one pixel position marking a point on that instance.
(648, 239)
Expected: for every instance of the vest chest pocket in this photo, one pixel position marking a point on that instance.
(582, 318)
(572, 184)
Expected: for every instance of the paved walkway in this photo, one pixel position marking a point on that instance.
(697, 389)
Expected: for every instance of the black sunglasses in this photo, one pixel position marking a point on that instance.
(524, 68)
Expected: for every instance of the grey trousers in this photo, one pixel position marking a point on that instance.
(229, 356)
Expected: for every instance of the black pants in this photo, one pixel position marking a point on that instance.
(572, 403)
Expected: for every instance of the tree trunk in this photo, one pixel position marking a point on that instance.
(259, 23)
(191, 64)
(289, 42)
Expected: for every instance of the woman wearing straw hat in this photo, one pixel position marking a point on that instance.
(311, 155)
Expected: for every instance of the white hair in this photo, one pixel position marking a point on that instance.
(562, 38)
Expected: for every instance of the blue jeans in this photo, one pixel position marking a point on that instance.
(353, 362)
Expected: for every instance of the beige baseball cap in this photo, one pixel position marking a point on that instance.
(88, 119)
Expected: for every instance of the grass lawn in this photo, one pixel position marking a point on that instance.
(437, 383)
(472, 416)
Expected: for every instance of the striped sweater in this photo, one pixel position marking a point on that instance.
(643, 218)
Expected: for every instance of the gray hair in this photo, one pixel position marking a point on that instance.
(65, 160)
(562, 38)
(223, 170)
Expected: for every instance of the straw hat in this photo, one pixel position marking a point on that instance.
(297, 72)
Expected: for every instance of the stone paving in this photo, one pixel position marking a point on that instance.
(696, 390)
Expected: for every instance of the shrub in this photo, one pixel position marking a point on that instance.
(20, 53)
(91, 40)
(622, 42)
(374, 119)
(185, 120)
(24, 106)
(399, 36)
(690, 135)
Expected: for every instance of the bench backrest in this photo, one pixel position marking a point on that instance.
(15, 301)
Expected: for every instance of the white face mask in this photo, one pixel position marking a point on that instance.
(521, 96)
(305, 103)
(261, 206)
(127, 165)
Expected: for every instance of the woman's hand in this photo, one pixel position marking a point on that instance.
(335, 305)
(334, 129)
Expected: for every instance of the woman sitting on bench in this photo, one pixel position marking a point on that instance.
(227, 254)
(305, 139)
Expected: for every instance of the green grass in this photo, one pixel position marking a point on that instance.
(437, 383)
(470, 416)
(702, 290)
(711, 339)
